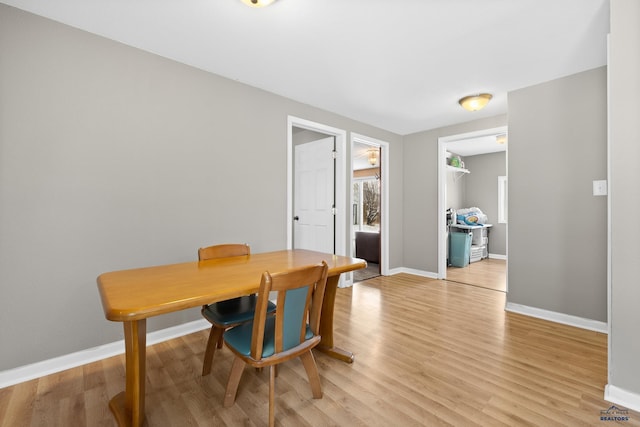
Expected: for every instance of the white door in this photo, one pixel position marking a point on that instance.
(314, 200)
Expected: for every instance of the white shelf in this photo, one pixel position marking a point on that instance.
(455, 169)
(458, 171)
(471, 227)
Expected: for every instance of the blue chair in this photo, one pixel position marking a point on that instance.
(292, 332)
(225, 314)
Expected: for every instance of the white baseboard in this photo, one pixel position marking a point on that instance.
(421, 273)
(497, 256)
(46, 367)
(566, 319)
(622, 397)
(393, 271)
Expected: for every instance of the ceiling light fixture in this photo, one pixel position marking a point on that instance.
(257, 3)
(501, 139)
(475, 102)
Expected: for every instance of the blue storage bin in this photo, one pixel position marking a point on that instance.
(459, 249)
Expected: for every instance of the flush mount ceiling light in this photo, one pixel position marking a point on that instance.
(475, 102)
(257, 3)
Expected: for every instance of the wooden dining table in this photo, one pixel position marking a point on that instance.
(132, 296)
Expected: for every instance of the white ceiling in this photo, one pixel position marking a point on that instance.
(400, 65)
(478, 145)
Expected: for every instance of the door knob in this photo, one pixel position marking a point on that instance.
(296, 218)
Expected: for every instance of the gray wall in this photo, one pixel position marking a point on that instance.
(113, 158)
(456, 184)
(481, 190)
(557, 228)
(420, 220)
(624, 78)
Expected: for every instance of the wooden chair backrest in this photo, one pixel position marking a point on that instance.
(223, 251)
(300, 293)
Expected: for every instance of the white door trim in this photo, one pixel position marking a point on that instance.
(442, 180)
(384, 208)
(341, 182)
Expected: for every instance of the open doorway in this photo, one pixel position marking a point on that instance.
(304, 132)
(472, 229)
(301, 131)
(366, 208)
(369, 225)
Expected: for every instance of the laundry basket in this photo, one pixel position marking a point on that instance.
(459, 249)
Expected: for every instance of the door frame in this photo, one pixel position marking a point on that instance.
(442, 192)
(340, 179)
(384, 200)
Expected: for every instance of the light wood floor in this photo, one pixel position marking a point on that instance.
(489, 273)
(427, 353)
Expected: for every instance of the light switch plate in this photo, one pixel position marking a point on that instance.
(600, 187)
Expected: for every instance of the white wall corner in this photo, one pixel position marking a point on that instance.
(622, 397)
(566, 319)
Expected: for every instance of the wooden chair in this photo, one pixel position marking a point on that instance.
(292, 332)
(225, 314)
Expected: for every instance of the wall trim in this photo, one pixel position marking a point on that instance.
(421, 273)
(553, 316)
(46, 367)
(622, 397)
(497, 256)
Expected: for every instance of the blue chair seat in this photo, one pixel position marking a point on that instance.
(233, 311)
(239, 337)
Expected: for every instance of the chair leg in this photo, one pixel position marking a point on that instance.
(221, 339)
(272, 395)
(234, 380)
(214, 337)
(312, 372)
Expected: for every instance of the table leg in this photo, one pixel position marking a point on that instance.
(128, 406)
(326, 323)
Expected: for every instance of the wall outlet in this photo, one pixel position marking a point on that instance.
(600, 188)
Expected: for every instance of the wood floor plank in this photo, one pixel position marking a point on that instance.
(489, 273)
(20, 404)
(428, 353)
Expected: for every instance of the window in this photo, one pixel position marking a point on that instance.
(366, 204)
